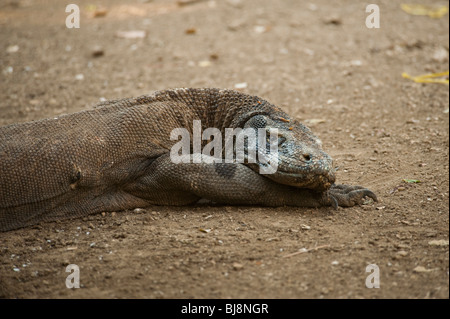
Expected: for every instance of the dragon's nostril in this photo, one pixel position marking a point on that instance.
(307, 157)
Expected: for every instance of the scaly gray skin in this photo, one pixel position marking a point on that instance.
(116, 157)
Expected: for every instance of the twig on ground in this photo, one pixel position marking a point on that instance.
(305, 251)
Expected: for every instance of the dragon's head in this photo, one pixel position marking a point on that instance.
(298, 159)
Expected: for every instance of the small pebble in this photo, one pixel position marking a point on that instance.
(8, 70)
(333, 20)
(97, 51)
(242, 85)
(441, 242)
(204, 64)
(12, 49)
(135, 34)
(190, 31)
(260, 29)
(99, 12)
(421, 269)
(237, 266)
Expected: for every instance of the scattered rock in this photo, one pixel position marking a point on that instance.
(190, 31)
(8, 70)
(99, 12)
(440, 242)
(204, 64)
(237, 266)
(12, 49)
(235, 25)
(414, 44)
(260, 29)
(440, 55)
(422, 269)
(242, 85)
(315, 121)
(333, 20)
(97, 51)
(134, 34)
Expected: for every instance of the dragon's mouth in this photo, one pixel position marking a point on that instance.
(312, 174)
(319, 180)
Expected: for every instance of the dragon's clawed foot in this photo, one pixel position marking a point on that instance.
(347, 195)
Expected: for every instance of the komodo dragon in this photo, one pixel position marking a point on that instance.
(116, 157)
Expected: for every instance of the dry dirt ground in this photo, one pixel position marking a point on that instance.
(319, 62)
